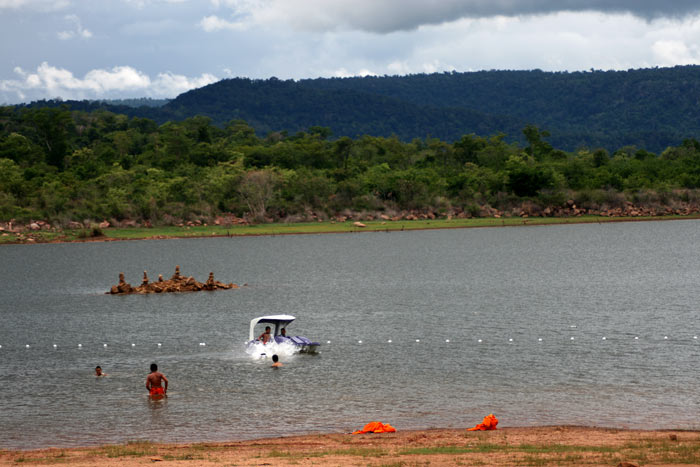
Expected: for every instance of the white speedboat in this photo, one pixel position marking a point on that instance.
(279, 341)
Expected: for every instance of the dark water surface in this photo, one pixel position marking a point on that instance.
(493, 293)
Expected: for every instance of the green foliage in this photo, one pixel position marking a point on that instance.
(110, 166)
(526, 178)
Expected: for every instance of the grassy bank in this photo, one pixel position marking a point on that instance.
(536, 446)
(134, 233)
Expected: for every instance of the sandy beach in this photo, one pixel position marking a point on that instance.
(541, 446)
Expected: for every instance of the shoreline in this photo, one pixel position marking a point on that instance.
(540, 445)
(311, 228)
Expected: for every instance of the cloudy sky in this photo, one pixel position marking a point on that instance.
(78, 49)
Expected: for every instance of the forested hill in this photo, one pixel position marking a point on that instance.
(647, 108)
(275, 105)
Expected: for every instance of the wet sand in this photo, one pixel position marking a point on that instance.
(542, 446)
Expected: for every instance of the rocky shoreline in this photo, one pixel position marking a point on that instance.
(177, 283)
(527, 209)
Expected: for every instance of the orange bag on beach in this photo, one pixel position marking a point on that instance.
(489, 423)
(376, 427)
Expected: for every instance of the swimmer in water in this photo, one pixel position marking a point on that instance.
(154, 383)
(98, 371)
(276, 361)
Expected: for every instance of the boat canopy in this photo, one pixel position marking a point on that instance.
(279, 321)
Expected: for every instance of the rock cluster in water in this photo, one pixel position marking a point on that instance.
(177, 283)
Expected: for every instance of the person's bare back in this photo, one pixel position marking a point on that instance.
(154, 382)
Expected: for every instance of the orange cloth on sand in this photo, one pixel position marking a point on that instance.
(157, 391)
(489, 423)
(376, 427)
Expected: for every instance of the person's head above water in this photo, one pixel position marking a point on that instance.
(275, 358)
(98, 370)
(154, 367)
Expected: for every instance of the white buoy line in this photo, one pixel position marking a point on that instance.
(456, 341)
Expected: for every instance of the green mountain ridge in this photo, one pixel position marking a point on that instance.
(647, 108)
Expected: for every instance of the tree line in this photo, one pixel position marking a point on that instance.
(61, 165)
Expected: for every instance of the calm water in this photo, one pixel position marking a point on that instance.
(493, 293)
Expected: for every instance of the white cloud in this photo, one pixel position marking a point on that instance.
(312, 38)
(343, 73)
(213, 23)
(77, 31)
(170, 85)
(119, 81)
(674, 52)
(387, 16)
(562, 41)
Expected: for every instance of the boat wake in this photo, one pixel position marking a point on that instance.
(258, 350)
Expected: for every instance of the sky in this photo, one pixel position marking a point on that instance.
(110, 49)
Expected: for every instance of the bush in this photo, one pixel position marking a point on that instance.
(93, 232)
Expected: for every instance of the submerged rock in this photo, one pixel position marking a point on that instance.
(177, 283)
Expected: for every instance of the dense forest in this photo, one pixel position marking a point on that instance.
(64, 165)
(648, 108)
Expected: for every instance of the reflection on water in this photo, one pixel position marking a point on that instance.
(508, 300)
(156, 405)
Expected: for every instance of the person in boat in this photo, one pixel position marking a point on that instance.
(98, 371)
(283, 332)
(265, 336)
(154, 382)
(276, 361)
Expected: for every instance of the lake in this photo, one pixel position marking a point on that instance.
(592, 324)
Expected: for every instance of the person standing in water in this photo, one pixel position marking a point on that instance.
(154, 383)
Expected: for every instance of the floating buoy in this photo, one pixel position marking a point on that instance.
(479, 341)
(202, 344)
(636, 337)
(665, 337)
(572, 337)
(54, 346)
(328, 342)
(510, 340)
(359, 342)
(447, 340)
(695, 337)
(104, 345)
(159, 344)
(604, 338)
(133, 345)
(389, 341)
(26, 346)
(539, 340)
(417, 340)
(80, 345)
